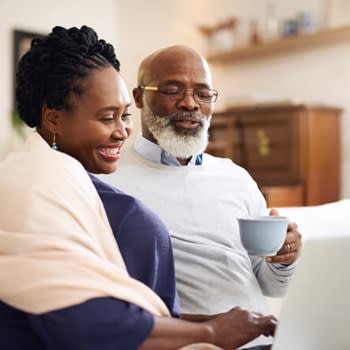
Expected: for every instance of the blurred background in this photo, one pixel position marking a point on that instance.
(262, 53)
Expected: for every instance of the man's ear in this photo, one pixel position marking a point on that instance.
(138, 93)
(50, 119)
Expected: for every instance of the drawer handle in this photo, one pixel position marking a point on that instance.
(263, 143)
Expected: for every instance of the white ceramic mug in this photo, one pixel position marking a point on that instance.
(263, 235)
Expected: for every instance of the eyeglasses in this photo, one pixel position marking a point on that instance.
(174, 92)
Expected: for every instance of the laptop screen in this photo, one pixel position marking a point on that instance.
(315, 314)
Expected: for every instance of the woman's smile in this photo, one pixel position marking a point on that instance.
(110, 153)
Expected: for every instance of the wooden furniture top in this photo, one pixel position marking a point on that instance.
(277, 107)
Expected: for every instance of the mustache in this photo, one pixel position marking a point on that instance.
(193, 117)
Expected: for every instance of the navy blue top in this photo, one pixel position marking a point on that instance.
(101, 323)
(143, 241)
(104, 323)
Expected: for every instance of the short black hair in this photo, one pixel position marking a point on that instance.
(46, 72)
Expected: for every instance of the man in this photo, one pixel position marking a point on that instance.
(197, 195)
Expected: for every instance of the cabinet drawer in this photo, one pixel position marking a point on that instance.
(283, 196)
(269, 149)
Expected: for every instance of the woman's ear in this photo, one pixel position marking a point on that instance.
(138, 93)
(50, 119)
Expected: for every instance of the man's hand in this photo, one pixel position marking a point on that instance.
(239, 326)
(290, 250)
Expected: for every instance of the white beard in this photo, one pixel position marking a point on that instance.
(181, 145)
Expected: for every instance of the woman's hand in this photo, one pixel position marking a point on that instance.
(239, 326)
(228, 330)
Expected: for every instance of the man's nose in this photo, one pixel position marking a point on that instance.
(187, 101)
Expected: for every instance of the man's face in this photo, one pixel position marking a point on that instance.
(176, 119)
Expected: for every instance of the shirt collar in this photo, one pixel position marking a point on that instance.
(153, 152)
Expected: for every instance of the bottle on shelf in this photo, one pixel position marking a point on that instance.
(271, 23)
(255, 37)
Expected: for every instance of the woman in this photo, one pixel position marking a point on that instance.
(63, 279)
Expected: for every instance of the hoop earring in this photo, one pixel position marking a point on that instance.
(54, 144)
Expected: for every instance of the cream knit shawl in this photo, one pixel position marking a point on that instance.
(56, 246)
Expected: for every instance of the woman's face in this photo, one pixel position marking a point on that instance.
(95, 128)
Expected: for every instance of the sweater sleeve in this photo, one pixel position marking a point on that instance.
(273, 280)
(101, 323)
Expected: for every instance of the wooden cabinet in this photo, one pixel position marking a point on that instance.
(292, 151)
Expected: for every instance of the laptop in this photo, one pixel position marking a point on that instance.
(315, 314)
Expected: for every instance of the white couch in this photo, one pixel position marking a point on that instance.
(322, 220)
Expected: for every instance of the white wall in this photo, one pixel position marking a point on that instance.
(137, 28)
(40, 16)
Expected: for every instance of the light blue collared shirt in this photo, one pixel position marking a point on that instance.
(153, 152)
